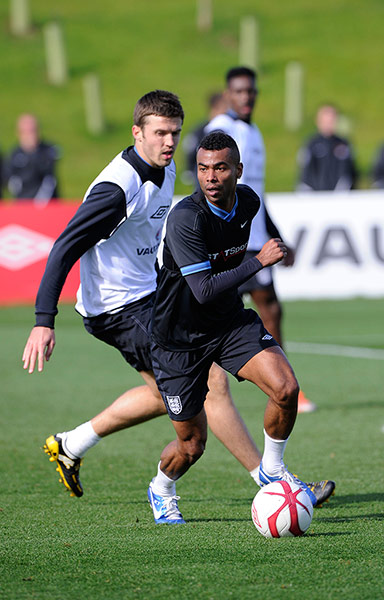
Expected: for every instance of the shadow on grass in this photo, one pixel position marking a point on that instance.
(216, 520)
(328, 533)
(371, 517)
(355, 499)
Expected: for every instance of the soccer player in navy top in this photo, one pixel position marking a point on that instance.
(199, 318)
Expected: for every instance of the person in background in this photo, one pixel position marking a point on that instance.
(30, 170)
(326, 161)
(217, 104)
(378, 169)
(241, 93)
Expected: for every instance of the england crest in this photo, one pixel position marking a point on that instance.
(174, 404)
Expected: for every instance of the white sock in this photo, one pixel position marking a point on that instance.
(254, 474)
(163, 485)
(77, 441)
(273, 455)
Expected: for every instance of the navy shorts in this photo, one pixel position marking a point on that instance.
(126, 330)
(260, 281)
(182, 376)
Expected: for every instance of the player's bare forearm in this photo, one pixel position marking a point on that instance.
(272, 252)
(39, 347)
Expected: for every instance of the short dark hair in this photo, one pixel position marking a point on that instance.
(240, 72)
(160, 103)
(218, 140)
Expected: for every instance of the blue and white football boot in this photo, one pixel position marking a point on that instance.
(263, 479)
(165, 509)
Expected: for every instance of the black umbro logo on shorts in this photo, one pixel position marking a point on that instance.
(160, 213)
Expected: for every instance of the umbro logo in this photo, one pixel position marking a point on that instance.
(160, 213)
(243, 224)
(267, 337)
(21, 247)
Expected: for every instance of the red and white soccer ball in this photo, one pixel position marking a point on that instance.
(282, 509)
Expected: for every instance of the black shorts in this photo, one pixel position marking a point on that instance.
(182, 376)
(126, 330)
(262, 280)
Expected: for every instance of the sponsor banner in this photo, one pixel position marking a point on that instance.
(338, 238)
(27, 233)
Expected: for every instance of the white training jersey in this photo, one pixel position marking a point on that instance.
(121, 269)
(252, 155)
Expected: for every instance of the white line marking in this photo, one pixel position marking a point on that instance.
(334, 350)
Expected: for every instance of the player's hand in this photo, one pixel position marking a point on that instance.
(272, 252)
(39, 346)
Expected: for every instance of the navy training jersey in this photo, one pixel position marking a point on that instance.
(199, 241)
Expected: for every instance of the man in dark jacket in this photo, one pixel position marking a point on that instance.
(326, 162)
(30, 169)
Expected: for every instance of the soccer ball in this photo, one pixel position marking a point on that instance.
(281, 509)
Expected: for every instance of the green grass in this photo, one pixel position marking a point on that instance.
(106, 546)
(135, 47)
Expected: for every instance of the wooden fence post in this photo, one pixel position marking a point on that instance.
(249, 43)
(294, 96)
(19, 17)
(93, 104)
(55, 55)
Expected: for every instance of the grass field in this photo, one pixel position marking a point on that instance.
(135, 47)
(106, 546)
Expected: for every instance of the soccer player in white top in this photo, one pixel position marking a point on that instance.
(241, 93)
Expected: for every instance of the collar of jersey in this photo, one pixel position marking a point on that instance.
(144, 169)
(223, 214)
(231, 113)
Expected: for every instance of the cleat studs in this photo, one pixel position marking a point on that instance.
(52, 459)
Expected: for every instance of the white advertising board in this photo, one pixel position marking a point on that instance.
(338, 238)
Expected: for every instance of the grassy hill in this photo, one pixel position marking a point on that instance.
(135, 47)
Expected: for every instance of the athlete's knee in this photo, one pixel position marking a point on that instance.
(286, 392)
(192, 449)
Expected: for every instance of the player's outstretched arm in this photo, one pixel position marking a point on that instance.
(272, 252)
(39, 346)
